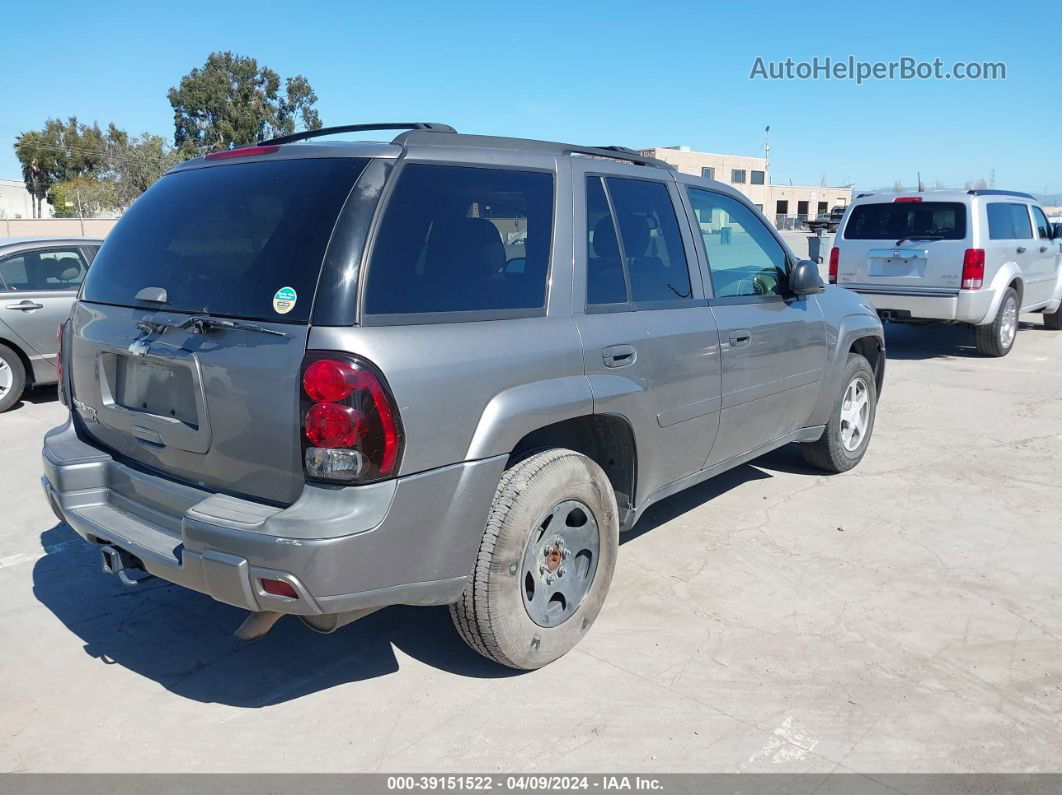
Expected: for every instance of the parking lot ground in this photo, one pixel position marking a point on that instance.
(906, 616)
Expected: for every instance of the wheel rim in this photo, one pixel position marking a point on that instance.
(1008, 326)
(855, 414)
(559, 563)
(6, 377)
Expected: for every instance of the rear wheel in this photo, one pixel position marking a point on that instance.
(545, 562)
(1053, 320)
(844, 441)
(12, 378)
(997, 338)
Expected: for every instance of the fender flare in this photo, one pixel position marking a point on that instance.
(514, 412)
(1007, 273)
(853, 326)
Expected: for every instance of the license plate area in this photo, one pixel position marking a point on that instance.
(897, 263)
(152, 387)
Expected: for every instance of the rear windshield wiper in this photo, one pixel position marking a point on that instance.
(201, 324)
(903, 240)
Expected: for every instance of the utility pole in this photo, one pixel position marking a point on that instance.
(80, 212)
(767, 152)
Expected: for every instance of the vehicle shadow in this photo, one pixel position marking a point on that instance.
(910, 342)
(37, 396)
(183, 640)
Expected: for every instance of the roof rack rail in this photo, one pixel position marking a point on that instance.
(429, 126)
(416, 137)
(994, 192)
(861, 195)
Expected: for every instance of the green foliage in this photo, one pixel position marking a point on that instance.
(60, 152)
(231, 101)
(83, 196)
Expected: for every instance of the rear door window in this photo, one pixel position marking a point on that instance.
(896, 220)
(1008, 221)
(243, 240)
(43, 270)
(462, 239)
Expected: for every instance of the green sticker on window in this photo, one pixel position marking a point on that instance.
(284, 300)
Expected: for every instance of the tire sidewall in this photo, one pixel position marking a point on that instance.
(571, 477)
(18, 378)
(857, 367)
(997, 327)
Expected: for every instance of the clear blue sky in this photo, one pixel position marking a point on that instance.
(630, 73)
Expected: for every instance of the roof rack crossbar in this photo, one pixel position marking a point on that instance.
(994, 192)
(347, 128)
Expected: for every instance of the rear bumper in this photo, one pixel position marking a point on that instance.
(965, 306)
(412, 540)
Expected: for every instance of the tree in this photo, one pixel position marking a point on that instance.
(59, 152)
(231, 101)
(135, 165)
(84, 196)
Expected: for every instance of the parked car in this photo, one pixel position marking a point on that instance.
(306, 379)
(39, 279)
(979, 257)
(827, 221)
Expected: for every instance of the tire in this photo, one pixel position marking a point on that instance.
(12, 378)
(842, 446)
(508, 612)
(1053, 320)
(997, 338)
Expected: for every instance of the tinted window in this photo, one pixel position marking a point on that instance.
(755, 177)
(708, 172)
(605, 282)
(652, 243)
(47, 269)
(1008, 221)
(743, 256)
(737, 175)
(458, 239)
(896, 220)
(1043, 228)
(227, 240)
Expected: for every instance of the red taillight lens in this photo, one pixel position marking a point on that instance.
(351, 430)
(328, 380)
(334, 425)
(279, 588)
(835, 258)
(973, 269)
(247, 151)
(907, 200)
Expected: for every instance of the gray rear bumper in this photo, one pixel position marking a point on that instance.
(412, 540)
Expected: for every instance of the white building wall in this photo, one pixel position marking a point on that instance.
(16, 202)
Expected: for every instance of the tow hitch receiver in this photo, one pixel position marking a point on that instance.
(127, 567)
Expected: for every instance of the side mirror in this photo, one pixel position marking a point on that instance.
(804, 279)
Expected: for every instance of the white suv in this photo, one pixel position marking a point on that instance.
(979, 256)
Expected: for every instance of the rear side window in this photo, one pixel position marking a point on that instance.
(43, 270)
(1043, 228)
(1008, 221)
(462, 239)
(896, 220)
(243, 240)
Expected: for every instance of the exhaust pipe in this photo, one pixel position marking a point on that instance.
(330, 622)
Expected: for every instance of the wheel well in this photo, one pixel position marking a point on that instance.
(1018, 288)
(871, 349)
(608, 440)
(26, 363)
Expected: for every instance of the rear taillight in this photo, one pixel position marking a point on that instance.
(973, 269)
(835, 258)
(907, 200)
(350, 427)
(246, 151)
(59, 362)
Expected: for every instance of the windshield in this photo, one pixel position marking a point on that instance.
(241, 240)
(893, 221)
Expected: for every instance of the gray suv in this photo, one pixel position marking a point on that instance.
(320, 378)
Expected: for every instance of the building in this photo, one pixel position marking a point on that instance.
(16, 202)
(787, 205)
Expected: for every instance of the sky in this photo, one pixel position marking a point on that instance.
(636, 74)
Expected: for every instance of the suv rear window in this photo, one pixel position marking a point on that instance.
(893, 221)
(227, 240)
(462, 239)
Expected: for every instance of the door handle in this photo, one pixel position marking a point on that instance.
(740, 337)
(619, 355)
(1021, 249)
(25, 306)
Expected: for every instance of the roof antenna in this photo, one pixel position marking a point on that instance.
(921, 187)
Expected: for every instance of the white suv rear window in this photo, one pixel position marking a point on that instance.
(897, 220)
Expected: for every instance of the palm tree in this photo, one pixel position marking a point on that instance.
(29, 152)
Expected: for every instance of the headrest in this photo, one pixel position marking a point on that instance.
(605, 246)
